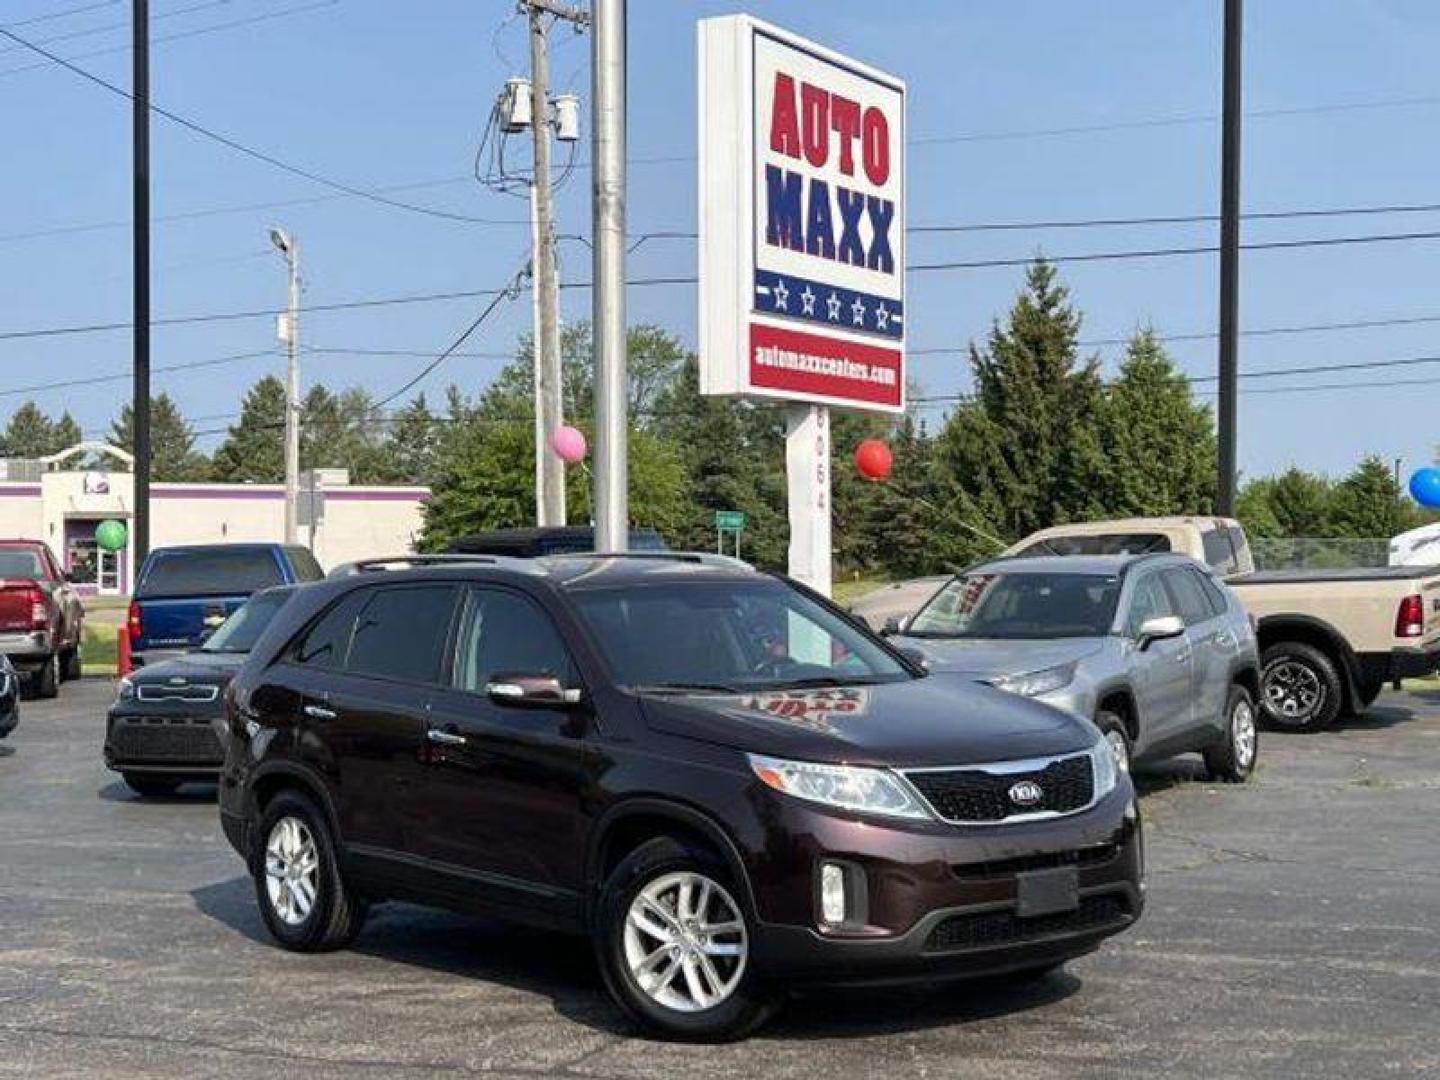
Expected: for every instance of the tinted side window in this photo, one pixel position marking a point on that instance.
(327, 643)
(1149, 601)
(1190, 600)
(1219, 604)
(1218, 552)
(401, 633)
(506, 632)
(303, 564)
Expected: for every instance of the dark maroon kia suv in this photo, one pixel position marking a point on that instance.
(716, 774)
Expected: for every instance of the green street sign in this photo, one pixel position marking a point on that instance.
(730, 519)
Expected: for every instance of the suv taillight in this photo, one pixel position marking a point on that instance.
(39, 613)
(1410, 619)
(132, 620)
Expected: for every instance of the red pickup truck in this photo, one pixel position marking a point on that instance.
(41, 619)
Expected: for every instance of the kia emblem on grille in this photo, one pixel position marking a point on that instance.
(1026, 793)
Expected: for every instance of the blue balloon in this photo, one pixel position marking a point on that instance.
(1425, 486)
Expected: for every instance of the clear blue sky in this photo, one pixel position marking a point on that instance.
(379, 93)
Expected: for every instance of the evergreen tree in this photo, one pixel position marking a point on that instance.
(172, 441)
(1369, 502)
(412, 450)
(1025, 451)
(1158, 441)
(32, 434)
(1302, 503)
(1252, 508)
(254, 447)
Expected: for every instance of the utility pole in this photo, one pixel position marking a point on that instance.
(549, 399)
(607, 67)
(140, 164)
(291, 336)
(1230, 257)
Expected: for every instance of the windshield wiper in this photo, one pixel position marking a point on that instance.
(687, 688)
(822, 681)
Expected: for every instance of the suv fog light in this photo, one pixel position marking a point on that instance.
(832, 894)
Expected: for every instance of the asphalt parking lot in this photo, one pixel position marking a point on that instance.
(1293, 929)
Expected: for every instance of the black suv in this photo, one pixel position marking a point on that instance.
(715, 773)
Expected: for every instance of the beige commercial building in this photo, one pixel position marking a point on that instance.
(50, 500)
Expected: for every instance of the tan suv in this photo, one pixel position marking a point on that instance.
(1329, 639)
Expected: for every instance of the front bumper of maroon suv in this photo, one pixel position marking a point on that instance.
(923, 901)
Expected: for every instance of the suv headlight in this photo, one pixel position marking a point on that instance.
(849, 787)
(1106, 769)
(1034, 683)
(125, 690)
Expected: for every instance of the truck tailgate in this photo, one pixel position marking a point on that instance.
(184, 621)
(17, 602)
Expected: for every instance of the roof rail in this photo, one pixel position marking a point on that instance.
(407, 562)
(705, 558)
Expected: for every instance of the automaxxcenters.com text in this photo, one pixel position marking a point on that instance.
(771, 356)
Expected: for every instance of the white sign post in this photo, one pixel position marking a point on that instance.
(802, 246)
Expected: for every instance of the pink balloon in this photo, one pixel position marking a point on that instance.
(568, 443)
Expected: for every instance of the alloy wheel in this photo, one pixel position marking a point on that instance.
(685, 942)
(1293, 691)
(292, 870)
(1120, 748)
(1242, 734)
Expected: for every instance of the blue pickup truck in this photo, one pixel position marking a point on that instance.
(184, 593)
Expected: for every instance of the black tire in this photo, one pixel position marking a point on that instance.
(336, 914)
(72, 666)
(748, 1005)
(47, 677)
(1233, 758)
(1112, 726)
(151, 785)
(1287, 669)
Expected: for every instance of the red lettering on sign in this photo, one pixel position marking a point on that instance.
(876, 146)
(784, 125)
(845, 119)
(815, 114)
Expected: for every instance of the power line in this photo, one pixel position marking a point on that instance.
(1173, 219)
(1168, 252)
(177, 36)
(107, 28)
(510, 291)
(239, 147)
(63, 13)
(121, 376)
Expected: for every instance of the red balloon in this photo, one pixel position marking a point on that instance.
(873, 459)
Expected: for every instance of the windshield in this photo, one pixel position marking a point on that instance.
(17, 562)
(1020, 606)
(243, 628)
(730, 636)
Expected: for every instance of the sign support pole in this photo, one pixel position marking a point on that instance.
(807, 475)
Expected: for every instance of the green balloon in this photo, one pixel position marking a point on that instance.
(111, 535)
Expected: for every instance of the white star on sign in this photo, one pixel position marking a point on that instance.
(832, 307)
(807, 301)
(782, 295)
(857, 312)
(882, 317)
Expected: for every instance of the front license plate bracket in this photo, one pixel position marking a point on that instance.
(1047, 892)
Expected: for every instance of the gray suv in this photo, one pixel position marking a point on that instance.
(1153, 648)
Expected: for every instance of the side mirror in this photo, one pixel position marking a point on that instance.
(1159, 628)
(915, 656)
(530, 691)
(895, 624)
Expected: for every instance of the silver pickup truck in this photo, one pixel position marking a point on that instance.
(1329, 639)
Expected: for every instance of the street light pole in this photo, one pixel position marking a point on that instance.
(291, 336)
(1229, 367)
(612, 511)
(140, 163)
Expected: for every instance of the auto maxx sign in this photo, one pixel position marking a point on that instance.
(802, 221)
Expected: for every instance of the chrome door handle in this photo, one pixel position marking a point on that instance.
(319, 712)
(1183, 658)
(445, 738)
